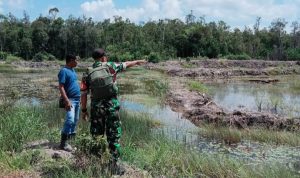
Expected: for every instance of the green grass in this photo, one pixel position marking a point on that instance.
(187, 65)
(142, 147)
(160, 156)
(234, 135)
(5, 68)
(138, 80)
(19, 125)
(10, 69)
(11, 58)
(197, 86)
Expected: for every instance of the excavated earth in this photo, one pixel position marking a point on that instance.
(200, 108)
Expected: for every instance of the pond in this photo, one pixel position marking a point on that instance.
(282, 97)
(179, 129)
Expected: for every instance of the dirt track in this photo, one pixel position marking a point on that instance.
(199, 108)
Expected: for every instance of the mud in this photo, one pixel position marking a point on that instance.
(227, 68)
(200, 108)
(45, 65)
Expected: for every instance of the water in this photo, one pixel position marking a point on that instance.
(179, 129)
(281, 98)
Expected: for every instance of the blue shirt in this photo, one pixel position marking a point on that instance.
(68, 78)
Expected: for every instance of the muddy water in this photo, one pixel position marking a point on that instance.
(39, 87)
(281, 97)
(179, 129)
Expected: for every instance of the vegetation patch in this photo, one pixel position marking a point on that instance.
(238, 57)
(160, 156)
(187, 65)
(235, 135)
(197, 86)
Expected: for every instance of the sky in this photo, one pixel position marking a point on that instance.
(236, 13)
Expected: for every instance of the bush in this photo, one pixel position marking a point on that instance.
(3, 55)
(12, 58)
(126, 57)
(154, 57)
(114, 58)
(238, 57)
(293, 54)
(40, 56)
(51, 57)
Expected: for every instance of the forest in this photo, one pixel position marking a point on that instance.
(50, 37)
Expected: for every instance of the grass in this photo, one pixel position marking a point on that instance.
(19, 125)
(162, 157)
(10, 69)
(141, 147)
(138, 80)
(187, 65)
(197, 86)
(234, 135)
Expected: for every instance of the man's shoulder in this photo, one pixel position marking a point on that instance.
(62, 70)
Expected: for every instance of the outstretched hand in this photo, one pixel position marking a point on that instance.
(139, 62)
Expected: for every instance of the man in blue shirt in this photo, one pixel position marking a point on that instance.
(70, 92)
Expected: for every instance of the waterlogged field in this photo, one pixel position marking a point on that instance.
(282, 97)
(155, 139)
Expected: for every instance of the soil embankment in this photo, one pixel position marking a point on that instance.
(227, 68)
(200, 108)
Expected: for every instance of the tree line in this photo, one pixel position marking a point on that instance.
(49, 38)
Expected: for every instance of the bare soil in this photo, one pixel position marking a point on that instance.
(199, 108)
(214, 68)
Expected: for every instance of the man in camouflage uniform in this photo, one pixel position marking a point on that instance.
(105, 117)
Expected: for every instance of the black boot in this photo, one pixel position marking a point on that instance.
(116, 168)
(63, 143)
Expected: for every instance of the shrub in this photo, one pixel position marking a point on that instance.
(51, 57)
(154, 57)
(293, 54)
(3, 55)
(40, 56)
(126, 57)
(197, 86)
(12, 58)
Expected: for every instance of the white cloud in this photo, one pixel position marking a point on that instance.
(102, 9)
(244, 12)
(149, 9)
(16, 4)
(1, 10)
(172, 8)
(236, 13)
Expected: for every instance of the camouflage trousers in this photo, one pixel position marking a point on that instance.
(105, 119)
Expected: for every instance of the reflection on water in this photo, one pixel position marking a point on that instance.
(281, 98)
(177, 128)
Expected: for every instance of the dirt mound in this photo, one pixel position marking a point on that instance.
(199, 108)
(214, 68)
